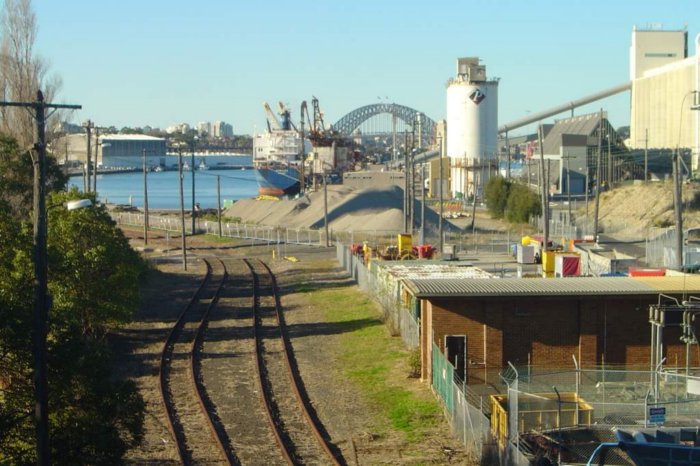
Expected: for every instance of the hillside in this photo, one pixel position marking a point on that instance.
(629, 212)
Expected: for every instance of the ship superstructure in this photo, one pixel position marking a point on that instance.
(276, 154)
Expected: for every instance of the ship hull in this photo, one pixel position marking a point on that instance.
(277, 182)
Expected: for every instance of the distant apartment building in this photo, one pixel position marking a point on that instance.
(178, 128)
(221, 129)
(204, 128)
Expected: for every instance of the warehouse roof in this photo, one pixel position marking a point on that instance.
(584, 125)
(130, 137)
(571, 286)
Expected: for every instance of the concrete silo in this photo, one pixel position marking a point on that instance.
(472, 126)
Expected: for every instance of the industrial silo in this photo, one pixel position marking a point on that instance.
(472, 126)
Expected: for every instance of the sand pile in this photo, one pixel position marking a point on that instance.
(349, 209)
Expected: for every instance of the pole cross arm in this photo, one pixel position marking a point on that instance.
(39, 103)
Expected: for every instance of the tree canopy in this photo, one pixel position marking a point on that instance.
(512, 200)
(93, 281)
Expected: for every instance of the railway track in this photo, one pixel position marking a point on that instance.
(298, 433)
(230, 385)
(191, 417)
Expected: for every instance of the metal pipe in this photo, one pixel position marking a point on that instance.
(564, 107)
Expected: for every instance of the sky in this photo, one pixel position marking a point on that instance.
(157, 62)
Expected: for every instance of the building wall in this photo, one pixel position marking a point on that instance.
(371, 179)
(128, 152)
(654, 48)
(546, 332)
(660, 107)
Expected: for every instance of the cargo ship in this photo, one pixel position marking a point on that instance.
(276, 155)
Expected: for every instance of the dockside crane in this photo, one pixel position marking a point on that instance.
(272, 121)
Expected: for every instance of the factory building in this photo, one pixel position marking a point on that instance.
(664, 92)
(111, 150)
(127, 150)
(472, 122)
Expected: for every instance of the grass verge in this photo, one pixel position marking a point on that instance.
(378, 364)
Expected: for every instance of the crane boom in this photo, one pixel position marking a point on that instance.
(272, 121)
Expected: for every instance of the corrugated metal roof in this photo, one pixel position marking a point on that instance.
(673, 284)
(584, 125)
(433, 270)
(581, 286)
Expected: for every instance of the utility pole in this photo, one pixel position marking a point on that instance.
(597, 176)
(194, 213)
(405, 187)
(302, 172)
(41, 301)
(543, 187)
(88, 156)
(422, 204)
(218, 202)
(182, 209)
(677, 204)
(567, 157)
(610, 159)
(145, 200)
(507, 157)
(97, 151)
(646, 153)
(441, 198)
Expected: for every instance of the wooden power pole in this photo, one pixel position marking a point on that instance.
(41, 301)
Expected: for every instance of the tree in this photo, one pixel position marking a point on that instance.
(22, 72)
(93, 280)
(17, 177)
(496, 195)
(99, 271)
(523, 203)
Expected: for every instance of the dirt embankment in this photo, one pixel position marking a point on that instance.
(632, 211)
(349, 209)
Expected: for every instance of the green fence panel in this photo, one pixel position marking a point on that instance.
(443, 374)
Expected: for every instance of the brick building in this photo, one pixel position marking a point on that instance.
(483, 324)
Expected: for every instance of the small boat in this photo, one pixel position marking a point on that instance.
(202, 165)
(158, 169)
(185, 166)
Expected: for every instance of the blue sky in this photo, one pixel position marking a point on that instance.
(157, 62)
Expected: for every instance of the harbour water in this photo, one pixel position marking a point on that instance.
(164, 189)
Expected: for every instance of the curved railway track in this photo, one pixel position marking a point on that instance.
(190, 415)
(228, 425)
(292, 434)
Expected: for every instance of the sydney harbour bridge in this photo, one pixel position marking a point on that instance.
(389, 120)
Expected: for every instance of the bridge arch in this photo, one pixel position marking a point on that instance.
(353, 120)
